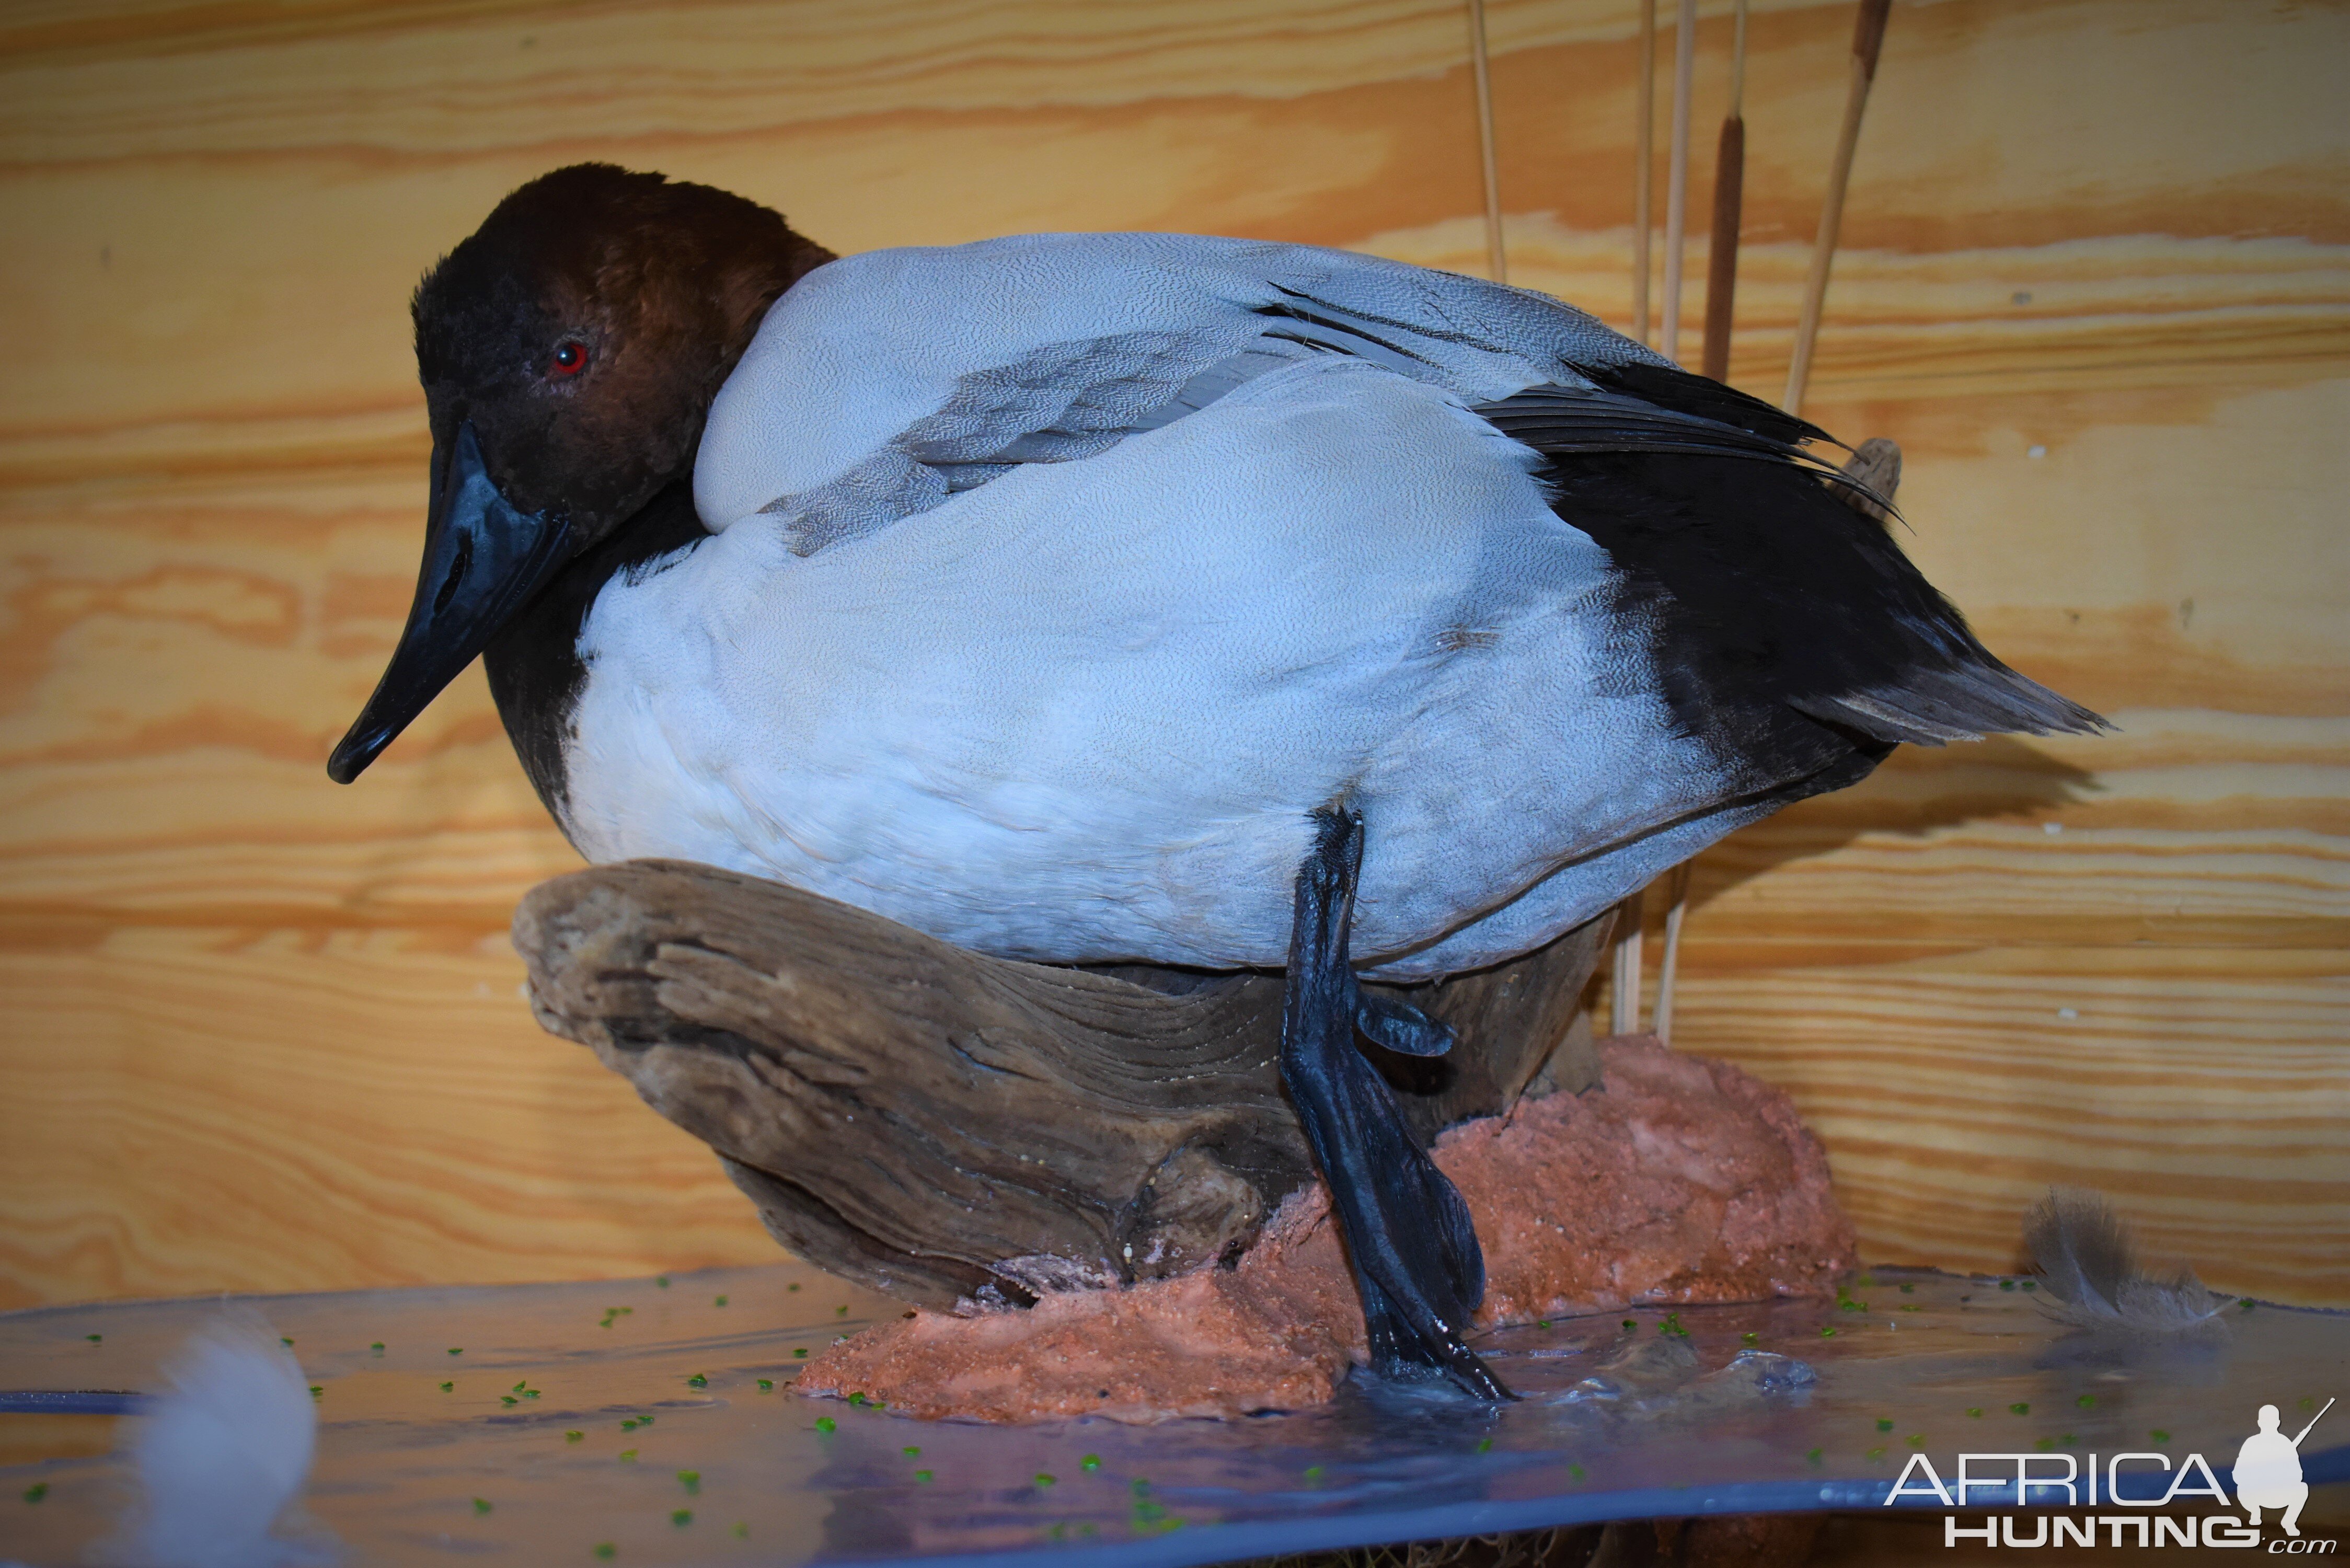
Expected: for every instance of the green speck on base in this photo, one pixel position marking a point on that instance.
(1749, 1337)
(841, 1312)
(95, 1338)
(644, 1420)
(801, 1351)
(2030, 1285)
(2247, 1303)
(1849, 1305)
(911, 1450)
(285, 1341)
(508, 1399)
(1672, 1324)
(720, 1302)
(791, 1287)
(448, 1388)
(682, 1516)
(377, 1348)
(1577, 1471)
(661, 1279)
(826, 1424)
(573, 1437)
(742, 1531)
(1043, 1478)
(2021, 1407)
(1812, 1458)
(530, 1393)
(1631, 1323)
(1828, 1333)
(1916, 1439)
(699, 1380)
(1090, 1463)
(630, 1425)
(766, 1385)
(2044, 1446)
(692, 1481)
(318, 1391)
(1313, 1472)
(456, 1350)
(2086, 1401)
(1866, 1280)
(1484, 1445)
(2067, 1440)
(1911, 1307)
(606, 1551)
(2007, 1285)
(1908, 1288)
(520, 1385)
(482, 1505)
(1883, 1424)
(2159, 1434)
(36, 1491)
(1149, 1512)
(1541, 1323)
(628, 1455)
(923, 1476)
(1873, 1454)
(1976, 1411)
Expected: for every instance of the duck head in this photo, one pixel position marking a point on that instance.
(569, 348)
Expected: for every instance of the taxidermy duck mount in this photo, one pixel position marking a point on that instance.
(1207, 605)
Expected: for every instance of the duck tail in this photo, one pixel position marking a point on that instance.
(1973, 696)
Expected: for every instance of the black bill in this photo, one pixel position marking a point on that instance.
(483, 562)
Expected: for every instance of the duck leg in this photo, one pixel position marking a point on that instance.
(1409, 1235)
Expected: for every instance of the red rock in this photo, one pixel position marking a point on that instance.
(1680, 1180)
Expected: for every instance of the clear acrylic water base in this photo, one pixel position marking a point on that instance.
(654, 1422)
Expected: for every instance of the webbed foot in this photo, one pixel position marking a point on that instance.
(1409, 1235)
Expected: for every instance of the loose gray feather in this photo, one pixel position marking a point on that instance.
(2090, 1275)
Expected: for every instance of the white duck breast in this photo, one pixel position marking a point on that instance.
(1055, 581)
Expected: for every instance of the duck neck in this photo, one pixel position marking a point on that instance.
(534, 665)
(746, 290)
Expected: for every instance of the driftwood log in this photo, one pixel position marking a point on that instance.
(949, 1127)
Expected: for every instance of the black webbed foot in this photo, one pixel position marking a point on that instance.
(1400, 1027)
(1408, 1233)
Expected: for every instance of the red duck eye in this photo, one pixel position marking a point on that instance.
(570, 358)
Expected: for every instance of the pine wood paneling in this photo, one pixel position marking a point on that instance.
(2096, 282)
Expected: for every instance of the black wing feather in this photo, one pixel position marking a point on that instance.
(1564, 420)
(1786, 627)
(1670, 387)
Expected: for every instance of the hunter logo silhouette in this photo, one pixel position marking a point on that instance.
(2268, 1471)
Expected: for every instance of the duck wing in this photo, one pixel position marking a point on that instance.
(1785, 626)
(882, 385)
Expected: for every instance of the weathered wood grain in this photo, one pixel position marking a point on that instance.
(946, 1126)
(267, 1031)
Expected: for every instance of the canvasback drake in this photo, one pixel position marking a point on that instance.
(1157, 598)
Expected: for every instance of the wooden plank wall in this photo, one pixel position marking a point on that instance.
(264, 1031)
